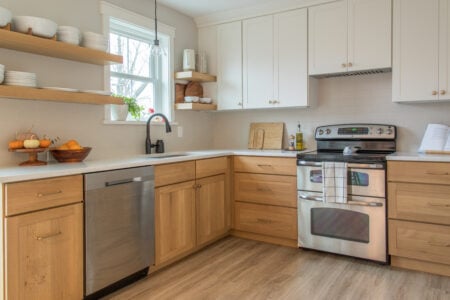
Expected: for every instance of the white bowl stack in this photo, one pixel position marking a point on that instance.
(69, 34)
(20, 78)
(2, 73)
(95, 41)
(40, 27)
(5, 17)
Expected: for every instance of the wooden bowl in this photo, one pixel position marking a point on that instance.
(71, 155)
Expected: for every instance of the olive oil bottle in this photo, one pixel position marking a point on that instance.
(299, 138)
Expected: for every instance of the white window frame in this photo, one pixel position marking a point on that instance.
(109, 10)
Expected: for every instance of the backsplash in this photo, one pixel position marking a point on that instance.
(353, 99)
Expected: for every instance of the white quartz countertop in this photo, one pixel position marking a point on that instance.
(411, 156)
(16, 173)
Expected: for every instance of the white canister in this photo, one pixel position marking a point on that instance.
(189, 60)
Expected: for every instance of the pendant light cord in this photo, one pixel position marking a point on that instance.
(156, 24)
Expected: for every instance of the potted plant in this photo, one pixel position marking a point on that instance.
(120, 112)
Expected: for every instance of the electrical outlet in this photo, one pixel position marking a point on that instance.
(180, 131)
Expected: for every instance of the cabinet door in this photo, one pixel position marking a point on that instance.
(212, 209)
(291, 58)
(229, 75)
(369, 34)
(328, 38)
(258, 62)
(44, 254)
(174, 220)
(444, 50)
(416, 54)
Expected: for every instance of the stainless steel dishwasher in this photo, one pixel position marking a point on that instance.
(119, 228)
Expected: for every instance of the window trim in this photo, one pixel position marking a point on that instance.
(108, 10)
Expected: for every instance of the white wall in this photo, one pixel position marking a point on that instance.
(85, 122)
(353, 99)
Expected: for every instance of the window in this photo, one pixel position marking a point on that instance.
(141, 76)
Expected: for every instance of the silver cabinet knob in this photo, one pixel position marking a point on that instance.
(350, 64)
(442, 92)
(434, 93)
(344, 65)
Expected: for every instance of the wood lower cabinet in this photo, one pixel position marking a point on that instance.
(174, 220)
(44, 254)
(212, 209)
(265, 199)
(419, 216)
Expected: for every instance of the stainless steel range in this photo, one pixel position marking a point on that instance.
(342, 190)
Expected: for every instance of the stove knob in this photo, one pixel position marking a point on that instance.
(328, 131)
(320, 131)
(380, 130)
(389, 131)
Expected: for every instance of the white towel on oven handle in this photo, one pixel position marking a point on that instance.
(334, 182)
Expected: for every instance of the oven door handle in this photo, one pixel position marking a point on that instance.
(362, 203)
(312, 198)
(309, 163)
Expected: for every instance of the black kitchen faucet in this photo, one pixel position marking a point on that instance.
(159, 146)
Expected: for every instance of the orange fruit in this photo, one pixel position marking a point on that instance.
(75, 147)
(44, 143)
(63, 147)
(72, 143)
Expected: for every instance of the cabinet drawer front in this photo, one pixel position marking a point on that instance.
(420, 241)
(174, 173)
(211, 166)
(424, 172)
(265, 165)
(419, 202)
(44, 193)
(265, 189)
(265, 219)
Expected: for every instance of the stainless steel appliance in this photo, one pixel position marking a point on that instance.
(357, 227)
(119, 228)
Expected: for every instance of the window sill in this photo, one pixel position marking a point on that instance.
(109, 122)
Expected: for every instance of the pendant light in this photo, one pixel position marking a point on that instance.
(156, 49)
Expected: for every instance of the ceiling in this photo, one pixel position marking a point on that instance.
(197, 8)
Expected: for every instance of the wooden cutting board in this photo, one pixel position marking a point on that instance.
(266, 136)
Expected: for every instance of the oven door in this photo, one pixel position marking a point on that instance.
(362, 179)
(355, 229)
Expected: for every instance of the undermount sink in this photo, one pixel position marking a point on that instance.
(166, 155)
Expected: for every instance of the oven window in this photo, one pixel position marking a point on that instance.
(353, 178)
(340, 224)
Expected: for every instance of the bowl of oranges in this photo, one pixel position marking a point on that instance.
(71, 151)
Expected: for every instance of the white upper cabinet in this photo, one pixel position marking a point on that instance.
(258, 54)
(350, 35)
(421, 50)
(229, 64)
(291, 59)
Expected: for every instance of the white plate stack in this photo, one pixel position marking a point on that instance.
(95, 41)
(20, 78)
(2, 73)
(69, 34)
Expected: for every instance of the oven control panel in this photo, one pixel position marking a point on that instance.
(356, 131)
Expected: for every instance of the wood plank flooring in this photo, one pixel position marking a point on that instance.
(235, 268)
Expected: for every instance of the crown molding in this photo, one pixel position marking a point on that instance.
(255, 11)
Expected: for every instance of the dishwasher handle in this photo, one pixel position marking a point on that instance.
(123, 181)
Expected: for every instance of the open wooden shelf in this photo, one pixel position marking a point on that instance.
(195, 106)
(32, 44)
(195, 76)
(18, 92)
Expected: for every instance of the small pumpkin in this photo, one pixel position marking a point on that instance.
(15, 144)
(45, 143)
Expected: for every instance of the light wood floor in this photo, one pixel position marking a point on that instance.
(235, 268)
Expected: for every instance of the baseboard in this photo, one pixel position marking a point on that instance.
(420, 265)
(265, 238)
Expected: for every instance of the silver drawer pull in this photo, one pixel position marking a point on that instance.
(39, 195)
(362, 203)
(438, 205)
(264, 221)
(263, 190)
(44, 237)
(312, 198)
(439, 244)
(264, 166)
(437, 173)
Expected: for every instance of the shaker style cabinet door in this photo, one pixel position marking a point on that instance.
(369, 34)
(416, 65)
(291, 59)
(258, 62)
(44, 254)
(174, 220)
(328, 38)
(444, 50)
(229, 57)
